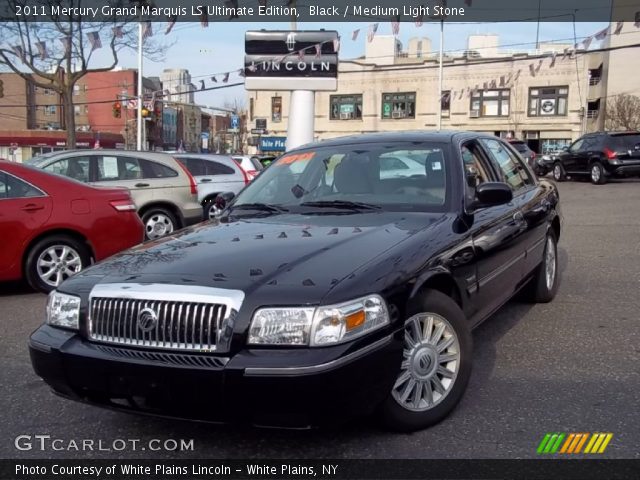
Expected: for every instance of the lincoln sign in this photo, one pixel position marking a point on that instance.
(291, 60)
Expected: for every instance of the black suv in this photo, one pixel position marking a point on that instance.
(600, 155)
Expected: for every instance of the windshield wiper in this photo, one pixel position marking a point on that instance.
(262, 207)
(344, 204)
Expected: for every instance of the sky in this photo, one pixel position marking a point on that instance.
(220, 47)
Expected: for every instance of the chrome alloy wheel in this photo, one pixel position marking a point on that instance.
(57, 263)
(158, 225)
(214, 211)
(596, 173)
(550, 262)
(557, 172)
(431, 359)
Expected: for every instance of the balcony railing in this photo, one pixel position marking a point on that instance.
(594, 80)
(593, 113)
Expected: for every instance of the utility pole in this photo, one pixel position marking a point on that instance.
(440, 74)
(140, 126)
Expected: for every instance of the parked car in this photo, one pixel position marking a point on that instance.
(265, 160)
(251, 165)
(53, 227)
(544, 163)
(600, 156)
(313, 299)
(164, 191)
(524, 150)
(214, 174)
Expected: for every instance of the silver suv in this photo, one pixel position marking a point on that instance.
(214, 174)
(163, 190)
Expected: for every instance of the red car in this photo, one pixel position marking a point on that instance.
(52, 227)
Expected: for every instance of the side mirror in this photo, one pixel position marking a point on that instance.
(223, 199)
(565, 149)
(490, 194)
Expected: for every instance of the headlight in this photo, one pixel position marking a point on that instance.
(63, 310)
(325, 325)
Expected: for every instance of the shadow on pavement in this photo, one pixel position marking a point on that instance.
(15, 288)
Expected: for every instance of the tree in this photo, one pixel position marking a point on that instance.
(623, 113)
(56, 53)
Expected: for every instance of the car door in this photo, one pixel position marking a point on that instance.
(122, 171)
(570, 158)
(583, 157)
(495, 234)
(24, 209)
(223, 177)
(531, 197)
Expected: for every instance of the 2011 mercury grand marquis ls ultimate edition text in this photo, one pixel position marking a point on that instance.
(326, 289)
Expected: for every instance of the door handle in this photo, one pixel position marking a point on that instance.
(205, 180)
(32, 207)
(140, 185)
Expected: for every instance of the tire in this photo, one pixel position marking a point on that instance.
(541, 288)
(559, 175)
(158, 222)
(211, 211)
(54, 259)
(421, 364)
(597, 174)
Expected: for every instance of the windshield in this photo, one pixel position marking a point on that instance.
(401, 176)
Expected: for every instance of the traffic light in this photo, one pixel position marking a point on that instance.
(117, 109)
(145, 112)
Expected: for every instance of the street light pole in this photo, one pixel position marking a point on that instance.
(139, 94)
(440, 74)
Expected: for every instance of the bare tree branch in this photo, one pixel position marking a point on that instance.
(61, 68)
(623, 113)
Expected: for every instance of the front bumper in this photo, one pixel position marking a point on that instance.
(266, 387)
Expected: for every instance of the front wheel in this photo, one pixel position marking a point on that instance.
(597, 174)
(54, 259)
(559, 174)
(211, 210)
(435, 366)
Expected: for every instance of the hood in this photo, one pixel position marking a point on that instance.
(295, 254)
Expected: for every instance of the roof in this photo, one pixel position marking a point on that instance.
(442, 136)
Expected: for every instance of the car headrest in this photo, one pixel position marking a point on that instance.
(351, 175)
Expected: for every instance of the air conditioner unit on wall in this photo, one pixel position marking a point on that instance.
(346, 116)
(397, 115)
(474, 113)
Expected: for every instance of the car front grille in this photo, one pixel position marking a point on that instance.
(168, 318)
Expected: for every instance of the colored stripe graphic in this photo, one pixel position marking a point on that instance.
(573, 443)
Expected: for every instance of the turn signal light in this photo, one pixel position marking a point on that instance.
(355, 320)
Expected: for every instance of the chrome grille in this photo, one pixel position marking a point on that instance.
(160, 316)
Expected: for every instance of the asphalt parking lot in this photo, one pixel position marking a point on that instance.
(569, 366)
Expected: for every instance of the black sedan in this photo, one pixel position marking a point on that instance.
(328, 288)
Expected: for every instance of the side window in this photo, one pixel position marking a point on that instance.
(590, 143)
(154, 169)
(577, 146)
(475, 169)
(509, 166)
(195, 166)
(74, 167)
(12, 187)
(4, 188)
(107, 169)
(130, 168)
(215, 168)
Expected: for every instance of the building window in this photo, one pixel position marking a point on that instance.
(345, 107)
(445, 102)
(399, 105)
(276, 109)
(48, 91)
(546, 101)
(490, 103)
(77, 109)
(50, 110)
(419, 49)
